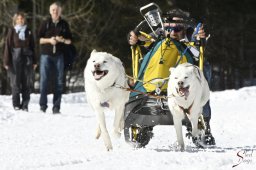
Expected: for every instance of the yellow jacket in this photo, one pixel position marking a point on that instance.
(157, 62)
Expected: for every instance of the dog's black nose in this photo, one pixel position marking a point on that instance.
(180, 83)
(97, 66)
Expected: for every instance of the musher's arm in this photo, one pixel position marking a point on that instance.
(143, 39)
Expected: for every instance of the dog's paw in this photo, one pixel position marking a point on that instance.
(97, 136)
(179, 147)
(116, 134)
(98, 133)
(109, 147)
(198, 135)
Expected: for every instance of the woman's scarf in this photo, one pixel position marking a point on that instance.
(20, 29)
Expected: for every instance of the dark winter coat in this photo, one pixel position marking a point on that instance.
(49, 29)
(25, 47)
(19, 56)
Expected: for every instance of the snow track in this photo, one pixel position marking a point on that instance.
(43, 141)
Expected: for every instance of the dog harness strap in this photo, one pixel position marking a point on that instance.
(186, 111)
(113, 84)
(104, 104)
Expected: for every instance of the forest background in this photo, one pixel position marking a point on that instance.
(104, 24)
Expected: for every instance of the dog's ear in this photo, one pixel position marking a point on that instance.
(198, 73)
(94, 51)
(171, 69)
(117, 60)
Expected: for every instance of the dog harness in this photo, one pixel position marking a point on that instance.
(186, 111)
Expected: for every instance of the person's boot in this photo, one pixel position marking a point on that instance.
(208, 138)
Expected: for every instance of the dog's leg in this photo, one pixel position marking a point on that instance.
(118, 121)
(121, 124)
(177, 120)
(194, 123)
(104, 131)
(98, 132)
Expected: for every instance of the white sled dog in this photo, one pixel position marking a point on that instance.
(102, 74)
(188, 92)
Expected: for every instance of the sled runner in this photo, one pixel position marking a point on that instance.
(147, 105)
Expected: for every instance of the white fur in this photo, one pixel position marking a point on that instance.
(102, 91)
(198, 95)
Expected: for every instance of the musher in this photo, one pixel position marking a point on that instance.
(176, 44)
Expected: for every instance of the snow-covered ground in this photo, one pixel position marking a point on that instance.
(43, 141)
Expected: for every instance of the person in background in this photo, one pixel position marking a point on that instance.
(175, 29)
(19, 60)
(54, 33)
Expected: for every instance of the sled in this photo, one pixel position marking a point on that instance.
(147, 108)
(142, 113)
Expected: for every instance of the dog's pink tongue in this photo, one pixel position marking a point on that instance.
(98, 75)
(184, 91)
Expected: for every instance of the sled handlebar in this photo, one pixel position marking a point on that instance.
(139, 27)
(151, 6)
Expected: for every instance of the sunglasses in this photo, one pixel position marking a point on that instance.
(175, 29)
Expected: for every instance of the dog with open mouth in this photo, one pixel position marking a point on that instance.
(188, 91)
(103, 74)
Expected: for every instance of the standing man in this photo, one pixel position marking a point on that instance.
(54, 34)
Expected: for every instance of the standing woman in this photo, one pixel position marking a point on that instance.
(19, 61)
